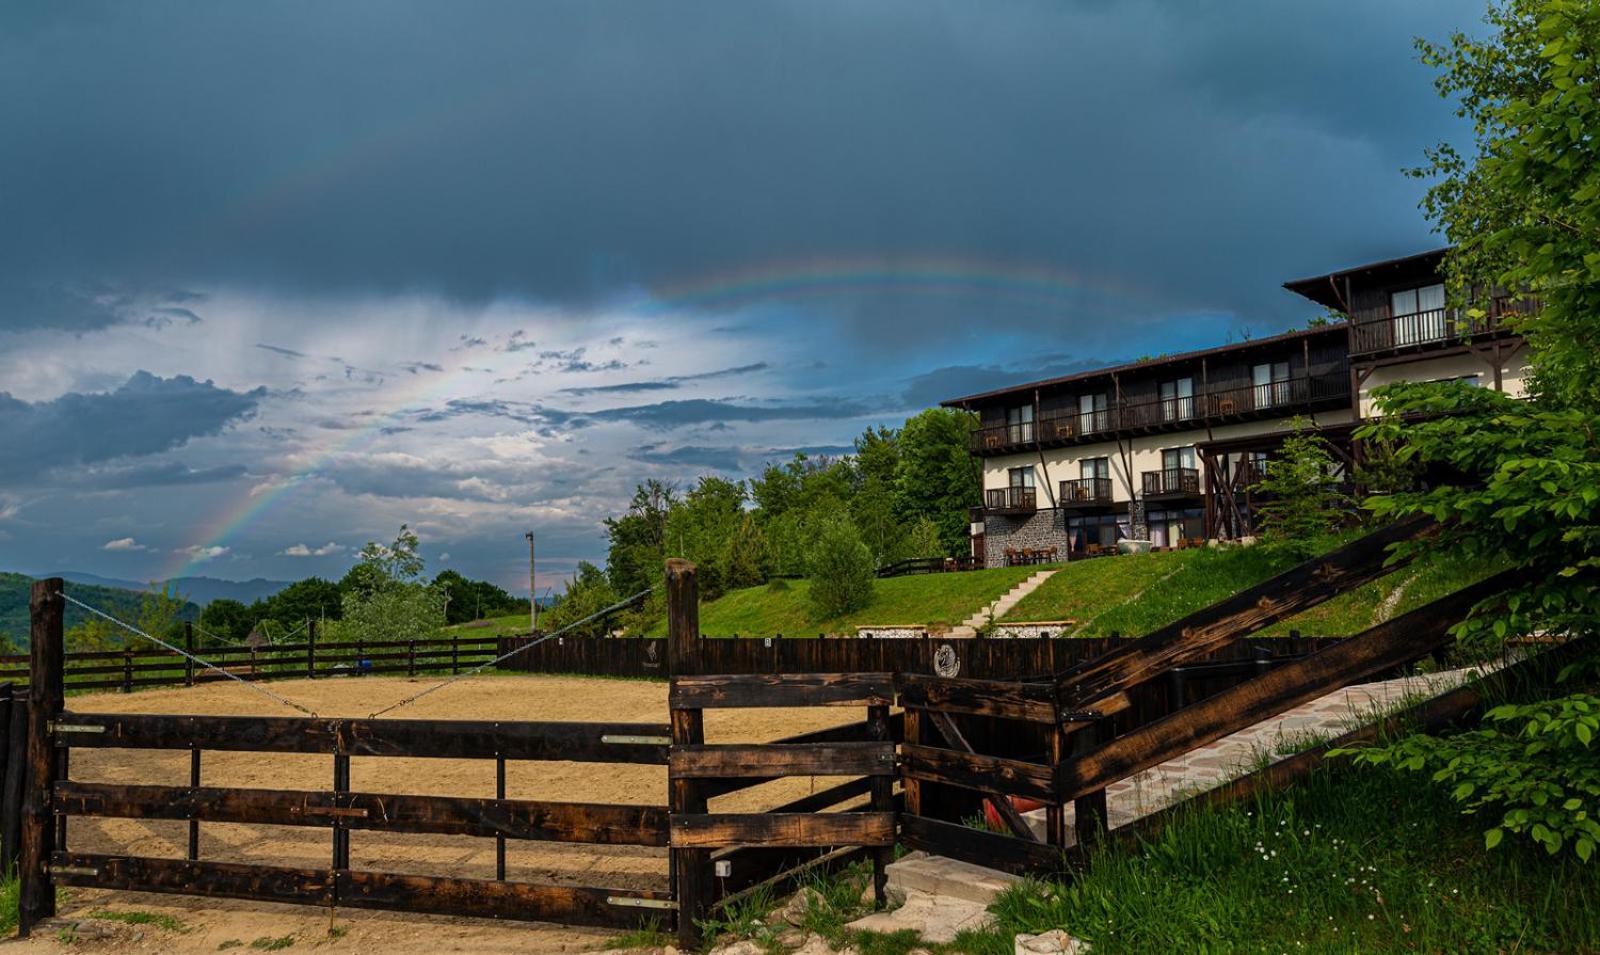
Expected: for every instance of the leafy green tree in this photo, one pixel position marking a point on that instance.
(874, 516)
(745, 563)
(227, 620)
(1301, 486)
(637, 540)
(842, 575)
(387, 599)
(1523, 212)
(700, 527)
(160, 615)
(310, 599)
(589, 592)
(936, 478)
(474, 599)
(924, 541)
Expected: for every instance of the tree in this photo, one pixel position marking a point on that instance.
(226, 620)
(310, 599)
(923, 541)
(387, 599)
(745, 563)
(841, 570)
(588, 593)
(474, 599)
(637, 539)
(1523, 212)
(936, 478)
(1301, 487)
(161, 614)
(700, 527)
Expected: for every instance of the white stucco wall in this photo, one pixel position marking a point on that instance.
(1513, 371)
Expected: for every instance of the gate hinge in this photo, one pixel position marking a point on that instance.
(639, 903)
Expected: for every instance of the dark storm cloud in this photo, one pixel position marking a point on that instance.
(717, 459)
(1169, 154)
(145, 415)
(280, 350)
(954, 381)
(163, 474)
(668, 383)
(663, 415)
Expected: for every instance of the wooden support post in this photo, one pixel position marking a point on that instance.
(411, 657)
(691, 868)
(188, 661)
(912, 787)
(882, 801)
(500, 838)
(1089, 810)
(47, 606)
(7, 845)
(311, 650)
(127, 670)
(455, 655)
(15, 779)
(1055, 814)
(341, 835)
(194, 824)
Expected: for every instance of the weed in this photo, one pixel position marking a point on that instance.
(230, 943)
(142, 918)
(649, 935)
(269, 944)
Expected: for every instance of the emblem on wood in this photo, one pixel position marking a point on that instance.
(945, 661)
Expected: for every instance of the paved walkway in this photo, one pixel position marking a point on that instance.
(994, 611)
(1267, 742)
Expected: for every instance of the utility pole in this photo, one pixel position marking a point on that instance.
(533, 595)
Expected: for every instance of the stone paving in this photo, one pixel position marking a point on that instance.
(1269, 741)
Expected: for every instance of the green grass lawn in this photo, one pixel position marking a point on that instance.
(923, 600)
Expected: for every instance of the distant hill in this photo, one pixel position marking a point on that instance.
(120, 602)
(200, 590)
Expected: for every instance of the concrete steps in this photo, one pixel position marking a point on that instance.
(999, 608)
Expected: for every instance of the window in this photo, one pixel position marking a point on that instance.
(1092, 413)
(1019, 424)
(1418, 315)
(1174, 458)
(1177, 399)
(1170, 528)
(1270, 383)
(1255, 464)
(1094, 468)
(1020, 477)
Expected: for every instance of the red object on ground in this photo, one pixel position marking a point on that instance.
(991, 815)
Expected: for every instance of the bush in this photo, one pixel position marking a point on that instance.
(841, 570)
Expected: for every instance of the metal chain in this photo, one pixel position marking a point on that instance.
(184, 653)
(505, 656)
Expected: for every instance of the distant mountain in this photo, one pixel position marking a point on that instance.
(119, 602)
(200, 590)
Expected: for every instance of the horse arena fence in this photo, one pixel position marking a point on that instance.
(928, 753)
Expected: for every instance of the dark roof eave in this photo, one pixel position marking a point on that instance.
(1324, 289)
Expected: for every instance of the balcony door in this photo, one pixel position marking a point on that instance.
(1019, 424)
(1270, 383)
(1177, 399)
(1418, 315)
(1173, 459)
(1092, 413)
(1091, 473)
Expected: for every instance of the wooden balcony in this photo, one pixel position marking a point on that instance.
(1170, 483)
(1328, 388)
(1011, 500)
(1085, 494)
(1437, 328)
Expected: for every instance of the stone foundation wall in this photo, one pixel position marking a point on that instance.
(1043, 528)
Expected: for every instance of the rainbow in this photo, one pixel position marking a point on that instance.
(772, 281)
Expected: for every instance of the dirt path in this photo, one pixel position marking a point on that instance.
(212, 924)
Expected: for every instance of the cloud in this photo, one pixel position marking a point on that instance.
(202, 552)
(678, 414)
(123, 543)
(144, 416)
(302, 550)
(279, 350)
(668, 383)
(161, 474)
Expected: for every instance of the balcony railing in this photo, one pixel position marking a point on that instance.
(1011, 500)
(1085, 491)
(1440, 326)
(1329, 385)
(1170, 482)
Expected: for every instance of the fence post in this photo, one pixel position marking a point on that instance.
(411, 657)
(188, 661)
(127, 670)
(311, 650)
(455, 653)
(691, 868)
(47, 607)
(882, 801)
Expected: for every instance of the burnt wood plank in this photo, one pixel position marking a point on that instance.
(846, 733)
(1390, 644)
(980, 847)
(47, 606)
(596, 823)
(1034, 702)
(783, 829)
(1095, 684)
(781, 689)
(1002, 804)
(783, 759)
(449, 739)
(475, 898)
(988, 774)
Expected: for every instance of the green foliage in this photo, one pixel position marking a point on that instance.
(589, 593)
(744, 564)
(701, 528)
(841, 570)
(387, 599)
(1384, 470)
(924, 540)
(122, 604)
(936, 478)
(474, 599)
(1303, 501)
(1519, 481)
(226, 619)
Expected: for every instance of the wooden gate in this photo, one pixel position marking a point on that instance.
(53, 798)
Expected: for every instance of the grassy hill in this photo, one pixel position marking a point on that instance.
(782, 607)
(15, 588)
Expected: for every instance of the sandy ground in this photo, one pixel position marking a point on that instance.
(211, 924)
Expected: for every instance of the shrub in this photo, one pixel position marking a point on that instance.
(841, 570)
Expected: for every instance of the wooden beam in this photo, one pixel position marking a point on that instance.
(980, 847)
(781, 689)
(1393, 643)
(783, 830)
(446, 739)
(1097, 684)
(988, 774)
(47, 607)
(596, 823)
(1007, 699)
(846, 733)
(770, 759)
(1002, 804)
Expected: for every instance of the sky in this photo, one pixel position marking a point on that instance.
(276, 278)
